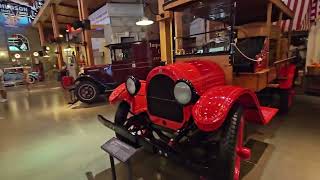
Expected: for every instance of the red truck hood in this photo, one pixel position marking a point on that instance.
(201, 73)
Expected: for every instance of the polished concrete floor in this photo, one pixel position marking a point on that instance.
(44, 138)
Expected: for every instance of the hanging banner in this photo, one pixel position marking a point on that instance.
(16, 13)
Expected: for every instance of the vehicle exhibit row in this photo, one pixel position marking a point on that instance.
(14, 76)
(195, 110)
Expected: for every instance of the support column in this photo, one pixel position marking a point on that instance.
(165, 26)
(41, 34)
(290, 35)
(56, 34)
(178, 32)
(278, 52)
(269, 25)
(84, 14)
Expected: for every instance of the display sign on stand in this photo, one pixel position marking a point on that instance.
(122, 152)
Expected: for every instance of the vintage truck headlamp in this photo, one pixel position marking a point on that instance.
(183, 92)
(133, 85)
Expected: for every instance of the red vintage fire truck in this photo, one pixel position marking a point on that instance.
(195, 110)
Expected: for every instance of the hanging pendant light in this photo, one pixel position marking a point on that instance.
(144, 21)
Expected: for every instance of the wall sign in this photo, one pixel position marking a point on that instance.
(18, 42)
(15, 13)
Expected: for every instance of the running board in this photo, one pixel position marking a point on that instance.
(268, 113)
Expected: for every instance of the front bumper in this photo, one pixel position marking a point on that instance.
(156, 146)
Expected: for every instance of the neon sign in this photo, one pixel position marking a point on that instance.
(15, 13)
(18, 42)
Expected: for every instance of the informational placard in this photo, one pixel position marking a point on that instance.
(118, 149)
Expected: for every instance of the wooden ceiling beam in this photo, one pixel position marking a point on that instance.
(68, 6)
(68, 16)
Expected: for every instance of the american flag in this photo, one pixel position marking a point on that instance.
(306, 12)
(315, 10)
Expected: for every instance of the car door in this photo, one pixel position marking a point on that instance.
(122, 66)
(145, 59)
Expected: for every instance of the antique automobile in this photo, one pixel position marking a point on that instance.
(195, 110)
(134, 58)
(34, 77)
(14, 76)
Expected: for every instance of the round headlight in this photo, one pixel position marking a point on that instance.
(133, 85)
(183, 93)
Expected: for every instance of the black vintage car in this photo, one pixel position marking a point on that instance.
(128, 59)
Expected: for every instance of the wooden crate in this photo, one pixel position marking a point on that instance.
(255, 81)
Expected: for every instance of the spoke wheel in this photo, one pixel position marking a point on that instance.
(87, 92)
(136, 124)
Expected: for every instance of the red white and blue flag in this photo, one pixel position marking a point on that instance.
(306, 12)
(301, 18)
(315, 10)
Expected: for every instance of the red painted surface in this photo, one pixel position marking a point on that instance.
(215, 101)
(239, 149)
(213, 107)
(264, 55)
(268, 113)
(67, 81)
(288, 72)
(137, 103)
(202, 74)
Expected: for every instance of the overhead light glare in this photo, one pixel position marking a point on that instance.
(144, 21)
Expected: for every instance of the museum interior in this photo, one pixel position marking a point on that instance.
(159, 89)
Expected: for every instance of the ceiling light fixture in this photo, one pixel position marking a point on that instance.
(144, 21)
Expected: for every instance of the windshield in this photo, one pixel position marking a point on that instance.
(204, 27)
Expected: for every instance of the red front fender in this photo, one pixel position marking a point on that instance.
(138, 103)
(212, 108)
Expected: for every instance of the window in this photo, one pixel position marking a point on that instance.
(203, 28)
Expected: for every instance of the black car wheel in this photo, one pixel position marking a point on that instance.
(232, 135)
(87, 92)
(32, 80)
(135, 124)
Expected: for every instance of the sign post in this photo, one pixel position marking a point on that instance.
(122, 152)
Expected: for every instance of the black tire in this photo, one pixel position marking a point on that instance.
(227, 146)
(121, 118)
(32, 80)
(87, 92)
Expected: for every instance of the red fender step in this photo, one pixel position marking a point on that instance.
(268, 113)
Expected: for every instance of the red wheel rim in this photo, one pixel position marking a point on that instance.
(239, 146)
